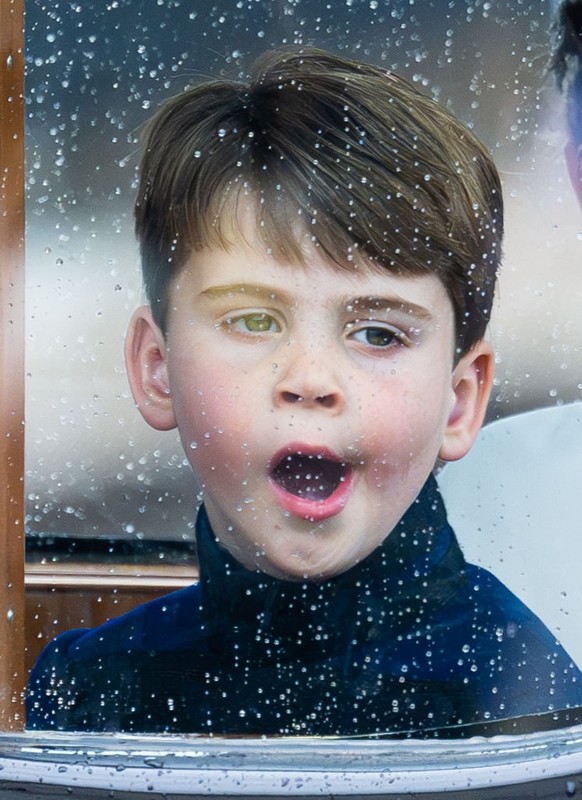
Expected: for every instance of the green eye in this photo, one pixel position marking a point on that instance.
(255, 323)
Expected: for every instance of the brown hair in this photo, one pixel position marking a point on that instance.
(376, 172)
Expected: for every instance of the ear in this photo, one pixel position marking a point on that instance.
(574, 162)
(471, 384)
(147, 369)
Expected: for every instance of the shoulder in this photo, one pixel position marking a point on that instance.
(489, 638)
(504, 610)
(523, 640)
(167, 623)
(484, 623)
(80, 662)
(485, 608)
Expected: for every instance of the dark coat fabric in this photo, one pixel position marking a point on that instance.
(410, 641)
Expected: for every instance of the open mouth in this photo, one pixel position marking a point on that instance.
(312, 477)
(311, 485)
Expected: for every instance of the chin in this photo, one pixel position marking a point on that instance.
(291, 572)
(294, 568)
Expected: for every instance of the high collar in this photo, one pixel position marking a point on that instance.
(418, 565)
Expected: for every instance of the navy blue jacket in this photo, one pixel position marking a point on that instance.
(411, 640)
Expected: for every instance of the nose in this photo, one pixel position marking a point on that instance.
(309, 381)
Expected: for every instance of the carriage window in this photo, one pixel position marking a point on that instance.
(262, 595)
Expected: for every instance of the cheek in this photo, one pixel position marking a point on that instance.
(404, 426)
(213, 418)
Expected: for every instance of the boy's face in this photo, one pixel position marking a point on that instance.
(312, 403)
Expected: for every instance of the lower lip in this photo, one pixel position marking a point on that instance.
(315, 510)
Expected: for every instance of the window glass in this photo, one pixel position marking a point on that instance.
(112, 503)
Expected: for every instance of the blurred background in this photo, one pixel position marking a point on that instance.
(96, 70)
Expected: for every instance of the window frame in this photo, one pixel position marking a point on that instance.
(536, 765)
(194, 765)
(12, 673)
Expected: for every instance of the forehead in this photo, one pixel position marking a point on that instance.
(281, 226)
(245, 246)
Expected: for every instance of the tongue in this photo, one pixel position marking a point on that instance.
(310, 477)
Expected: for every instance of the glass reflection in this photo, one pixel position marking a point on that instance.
(430, 683)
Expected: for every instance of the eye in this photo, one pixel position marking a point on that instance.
(375, 336)
(255, 322)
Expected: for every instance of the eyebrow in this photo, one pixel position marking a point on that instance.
(393, 303)
(252, 289)
(360, 303)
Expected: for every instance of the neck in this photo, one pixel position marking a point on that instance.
(387, 589)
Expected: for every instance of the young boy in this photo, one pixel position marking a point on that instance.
(320, 249)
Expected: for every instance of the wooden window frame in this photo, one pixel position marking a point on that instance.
(12, 673)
